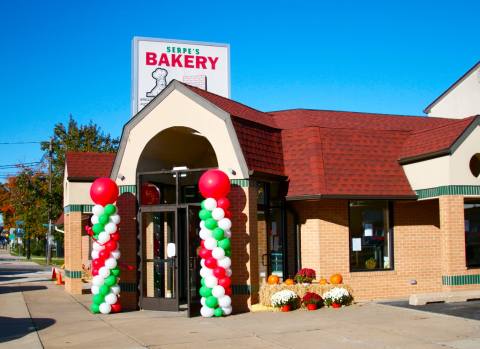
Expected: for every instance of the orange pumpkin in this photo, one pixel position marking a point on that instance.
(336, 279)
(273, 280)
(323, 281)
(289, 282)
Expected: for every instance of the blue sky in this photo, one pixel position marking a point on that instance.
(62, 57)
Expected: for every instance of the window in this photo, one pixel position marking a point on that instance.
(370, 235)
(472, 233)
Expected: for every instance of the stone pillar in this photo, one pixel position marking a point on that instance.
(73, 252)
(245, 278)
(127, 209)
(452, 229)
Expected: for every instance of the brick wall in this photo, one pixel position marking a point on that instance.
(73, 251)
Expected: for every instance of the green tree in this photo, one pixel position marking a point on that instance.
(73, 137)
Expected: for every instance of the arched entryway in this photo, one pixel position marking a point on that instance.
(167, 175)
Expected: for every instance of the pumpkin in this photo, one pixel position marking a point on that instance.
(289, 282)
(336, 279)
(323, 281)
(273, 280)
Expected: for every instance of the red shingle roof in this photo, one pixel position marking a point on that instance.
(88, 165)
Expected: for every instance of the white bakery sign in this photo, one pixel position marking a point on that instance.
(156, 62)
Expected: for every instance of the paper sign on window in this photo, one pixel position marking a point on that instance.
(356, 244)
(368, 230)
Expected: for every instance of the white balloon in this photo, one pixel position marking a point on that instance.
(204, 272)
(115, 289)
(95, 289)
(218, 213)
(205, 311)
(110, 298)
(94, 219)
(225, 262)
(115, 219)
(211, 281)
(116, 254)
(98, 280)
(110, 228)
(111, 263)
(202, 224)
(202, 301)
(205, 234)
(228, 272)
(105, 308)
(228, 233)
(218, 291)
(218, 253)
(224, 301)
(104, 272)
(210, 204)
(103, 237)
(227, 310)
(97, 210)
(97, 247)
(95, 254)
(225, 224)
(210, 243)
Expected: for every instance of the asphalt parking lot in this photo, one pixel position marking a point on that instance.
(467, 310)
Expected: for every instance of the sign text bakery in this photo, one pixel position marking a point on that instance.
(183, 58)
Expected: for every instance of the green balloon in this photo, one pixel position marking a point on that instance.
(228, 253)
(202, 281)
(115, 271)
(210, 223)
(224, 243)
(103, 219)
(98, 299)
(98, 228)
(110, 280)
(204, 214)
(218, 233)
(109, 210)
(211, 302)
(218, 312)
(104, 290)
(95, 308)
(202, 204)
(205, 291)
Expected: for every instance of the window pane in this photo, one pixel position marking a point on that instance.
(276, 242)
(472, 233)
(370, 235)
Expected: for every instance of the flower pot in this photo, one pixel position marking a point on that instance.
(312, 306)
(336, 305)
(286, 308)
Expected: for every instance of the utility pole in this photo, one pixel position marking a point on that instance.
(49, 236)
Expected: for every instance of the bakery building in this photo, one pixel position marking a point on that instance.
(390, 202)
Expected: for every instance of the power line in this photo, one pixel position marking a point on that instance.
(9, 166)
(21, 142)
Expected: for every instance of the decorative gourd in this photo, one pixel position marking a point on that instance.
(289, 282)
(323, 281)
(336, 279)
(273, 280)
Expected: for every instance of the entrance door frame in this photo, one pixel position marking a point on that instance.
(154, 303)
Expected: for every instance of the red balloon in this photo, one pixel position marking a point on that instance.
(219, 272)
(204, 253)
(228, 291)
(225, 282)
(214, 184)
(116, 308)
(223, 203)
(103, 254)
(115, 236)
(111, 245)
(97, 263)
(228, 214)
(210, 263)
(104, 191)
(202, 242)
(94, 271)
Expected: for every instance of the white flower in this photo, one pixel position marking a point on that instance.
(283, 297)
(336, 294)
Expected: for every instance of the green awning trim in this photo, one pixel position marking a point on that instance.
(466, 190)
(457, 280)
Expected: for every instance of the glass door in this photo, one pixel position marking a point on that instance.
(193, 243)
(159, 277)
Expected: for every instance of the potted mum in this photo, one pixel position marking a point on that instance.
(312, 300)
(285, 300)
(305, 276)
(336, 297)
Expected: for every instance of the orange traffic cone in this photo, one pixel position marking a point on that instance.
(54, 273)
(59, 279)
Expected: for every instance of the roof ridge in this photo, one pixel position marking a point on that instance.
(457, 121)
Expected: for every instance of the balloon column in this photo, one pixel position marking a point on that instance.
(215, 248)
(105, 247)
